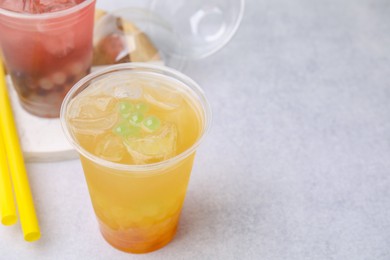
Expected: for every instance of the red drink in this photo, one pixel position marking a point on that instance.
(47, 47)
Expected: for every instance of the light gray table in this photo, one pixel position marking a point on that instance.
(297, 163)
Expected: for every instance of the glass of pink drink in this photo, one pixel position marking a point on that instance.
(47, 47)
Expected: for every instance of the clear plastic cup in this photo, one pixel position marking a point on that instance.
(137, 205)
(181, 30)
(46, 54)
(201, 27)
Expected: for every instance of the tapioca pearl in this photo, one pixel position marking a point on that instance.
(76, 68)
(70, 79)
(58, 78)
(42, 92)
(59, 89)
(46, 84)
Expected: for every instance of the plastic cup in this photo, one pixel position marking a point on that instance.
(138, 206)
(46, 54)
(181, 30)
(201, 27)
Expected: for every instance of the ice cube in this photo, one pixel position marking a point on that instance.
(103, 103)
(92, 115)
(58, 78)
(76, 68)
(12, 5)
(127, 91)
(153, 147)
(126, 87)
(48, 6)
(46, 83)
(94, 126)
(164, 98)
(92, 106)
(110, 148)
(60, 43)
(38, 6)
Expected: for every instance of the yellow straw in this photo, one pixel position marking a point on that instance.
(28, 218)
(8, 210)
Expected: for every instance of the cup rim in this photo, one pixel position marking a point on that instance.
(57, 14)
(187, 82)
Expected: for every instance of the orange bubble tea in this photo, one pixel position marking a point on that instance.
(136, 128)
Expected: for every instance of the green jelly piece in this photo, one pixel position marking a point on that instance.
(121, 129)
(135, 130)
(136, 118)
(141, 107)
(152, 123)
(125, 108)
(125, 129)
